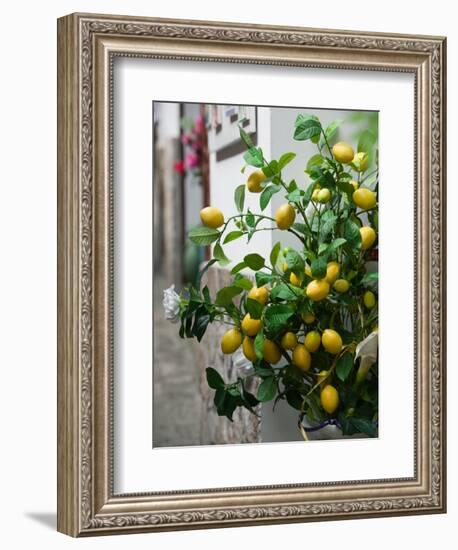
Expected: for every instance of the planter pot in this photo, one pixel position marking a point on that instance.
(330, 429)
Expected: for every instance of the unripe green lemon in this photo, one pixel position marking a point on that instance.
(289, 340)
(364, 198)
(231, 340)
(331, 340)
(317, 289)
(248, 349)
(343, 152)
(369, 299)
(368, 236)
(212, 217)
(254, 181)
(323, 196)
(271, 352)
(322, 376)
(285, 216)
(250, 326)
(329, 398)
(342, 286)
(312, 341)
(302, 357)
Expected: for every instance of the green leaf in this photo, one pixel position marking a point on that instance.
(214, 379)
(328, 221)
(246, 138)
(336, 243)
(285, 159)
(307, 127)
(263, 278)
(366, 142)
(225, 295)
(301, 227)
(364, 425)
(267, 194)
(201, 321)
(344, 365)
(254, 261)
(271, 169)
(232, 236)
(315, 160)
(346, 187)
(259, 344)
(308, 193)
(254, 308)
(239, 197)
(352, 234)
(220, 395)
(250, 219)
(319, 268)
(243, 282)
(295, 196)
(294, 399)
(274, 254)
(218, 254)
(331, 129)
(276, 316)
(238, 267)
(267, 389)
(254, 157)
(203, 235)
(285, 292)
(295, 261)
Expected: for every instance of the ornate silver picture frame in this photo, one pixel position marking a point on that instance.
(87, 46)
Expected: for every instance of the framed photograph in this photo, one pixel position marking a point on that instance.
(251, 292)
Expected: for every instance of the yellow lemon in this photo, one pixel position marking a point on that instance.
(331, 340)
(284, 266)
(308, 318)
(332, 272)
(302, 357)
(294, 280)
(231, 340)
(315, 195)
(312, 341)
(354, 184)
(254, 181)
(343, 152)
(317, 289)
(248, 349)
(260, 294)
(329, 398)
(251, 326)
(369, 299)
(324, 196)
(289, 340)
(212, 217)
(285, 216)
(271, 352)
(364, 198)
(368, 236)
(308, 271)
(342, 286)
(360, 160)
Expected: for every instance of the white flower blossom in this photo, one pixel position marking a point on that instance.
(367, 350)
(171, 303)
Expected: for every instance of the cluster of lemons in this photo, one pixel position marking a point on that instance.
(272, 352)
(316, 289)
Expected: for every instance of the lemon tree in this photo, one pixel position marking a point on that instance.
(302, 315)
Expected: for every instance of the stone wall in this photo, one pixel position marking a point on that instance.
(246, 427)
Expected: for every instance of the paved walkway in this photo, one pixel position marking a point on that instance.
(177, 402)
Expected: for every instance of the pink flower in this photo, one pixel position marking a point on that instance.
(191, 160)
(199, 124)
(186, 139)
(179, 167)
